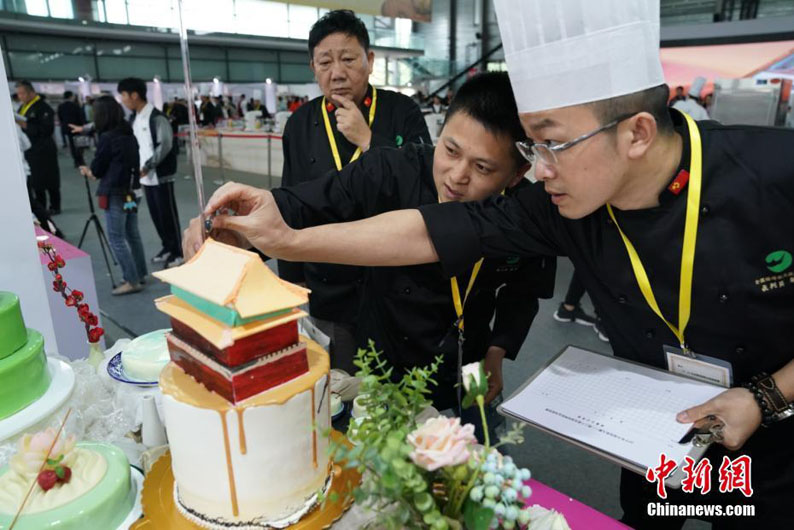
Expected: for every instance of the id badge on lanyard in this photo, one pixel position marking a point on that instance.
(682, 360)
(697, 366)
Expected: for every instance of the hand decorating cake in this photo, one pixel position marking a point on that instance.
(23, 365)
(80, 486)
(246, 402)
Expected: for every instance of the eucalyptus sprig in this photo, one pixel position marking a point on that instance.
(392, 484)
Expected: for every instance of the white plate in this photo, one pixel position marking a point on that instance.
(136, 478)
(61, 386)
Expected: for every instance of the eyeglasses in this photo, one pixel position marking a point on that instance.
(547, 153)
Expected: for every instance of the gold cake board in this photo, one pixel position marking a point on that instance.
(160, 511)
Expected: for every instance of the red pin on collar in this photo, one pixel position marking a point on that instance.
(330, 107)
(367, 101)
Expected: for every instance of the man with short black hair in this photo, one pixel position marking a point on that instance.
(679, 95)
(328, 133)
(410, 312)
(37, 120)
(158, 154)
(70, 113)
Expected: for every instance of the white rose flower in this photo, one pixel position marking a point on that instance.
(471, 373)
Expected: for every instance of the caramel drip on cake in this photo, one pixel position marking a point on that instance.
(314, 432)
(241, 430)
(229, 467)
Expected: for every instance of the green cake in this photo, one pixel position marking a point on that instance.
(23, 365)
(98, 493)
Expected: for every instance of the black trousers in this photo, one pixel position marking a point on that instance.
(772, 477)
(77, 152)
(575, 291)
(162, 208)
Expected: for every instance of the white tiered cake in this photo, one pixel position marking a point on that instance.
(246, 403)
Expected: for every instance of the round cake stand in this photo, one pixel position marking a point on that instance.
(61, 386)
(159, 510)
(136, 479)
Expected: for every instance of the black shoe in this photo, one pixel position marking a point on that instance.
(599, 329)
(161, 256)
(576, 315)
(173, 261)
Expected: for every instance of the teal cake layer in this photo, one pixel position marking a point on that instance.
(13, 334)
(105, 506)
(226, 315)
(24, 377)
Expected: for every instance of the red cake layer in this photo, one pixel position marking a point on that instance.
(243, 350)
(239, 383)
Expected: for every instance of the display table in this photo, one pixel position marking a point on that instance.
(70, 337)
(131, 397)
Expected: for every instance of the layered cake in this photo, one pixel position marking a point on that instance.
(145, 357)
(82, 485)
(246, 401)
(23, 364)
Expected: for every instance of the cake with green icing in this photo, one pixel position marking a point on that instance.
(81, 486)
(23, 364)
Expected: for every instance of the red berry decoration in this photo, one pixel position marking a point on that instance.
(71, 298)
(64, 474)
(47, 479)
(95, 334)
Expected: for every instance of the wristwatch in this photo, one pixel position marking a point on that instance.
(770, 399)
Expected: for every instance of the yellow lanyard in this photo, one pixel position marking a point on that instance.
(459, 304)
(688, 250)
(330, 132)
(29, 104)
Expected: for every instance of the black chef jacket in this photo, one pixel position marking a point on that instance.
(408, 311)
(307, 156)
(742, 298)
(42, 157)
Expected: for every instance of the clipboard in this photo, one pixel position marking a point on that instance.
(661, 379)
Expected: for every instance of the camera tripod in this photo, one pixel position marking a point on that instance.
(103, 240)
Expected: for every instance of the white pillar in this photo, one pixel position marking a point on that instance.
(20, 267)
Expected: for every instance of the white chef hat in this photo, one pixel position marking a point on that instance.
(697, 86)
(568, 52)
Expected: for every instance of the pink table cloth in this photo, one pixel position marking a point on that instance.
(578, 515)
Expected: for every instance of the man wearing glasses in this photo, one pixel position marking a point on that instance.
(680, 231)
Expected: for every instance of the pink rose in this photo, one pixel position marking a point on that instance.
(32, 450)
(441, 442)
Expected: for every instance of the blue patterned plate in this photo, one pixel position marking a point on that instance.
(116, 371)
